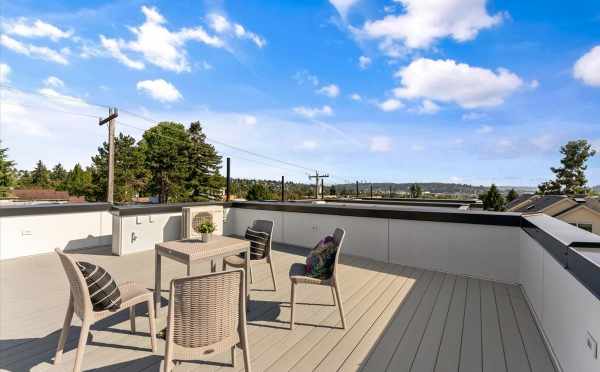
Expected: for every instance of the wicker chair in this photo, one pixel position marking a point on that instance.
(298, 276)
(207, 315)
(238, 262)
(81, 304)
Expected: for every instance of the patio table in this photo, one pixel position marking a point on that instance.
(193, 250)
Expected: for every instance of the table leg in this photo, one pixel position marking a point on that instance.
(157, 281)
(213, 266)
(189, 269)
(247, 278)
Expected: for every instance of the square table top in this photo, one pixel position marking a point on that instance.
(195, 249)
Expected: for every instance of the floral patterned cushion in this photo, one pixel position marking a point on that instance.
(320, 261)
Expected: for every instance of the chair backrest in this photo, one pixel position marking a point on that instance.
(79, 291)
(265, 226)
(338, 238)
(205, 310)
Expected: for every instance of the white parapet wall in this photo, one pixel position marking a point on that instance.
(481, 251)
(31, 234)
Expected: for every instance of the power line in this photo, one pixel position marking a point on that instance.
(61, 98)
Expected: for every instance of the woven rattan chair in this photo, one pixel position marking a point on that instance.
(81, 304)
(298, 276)
(265, 226)
(207, 316)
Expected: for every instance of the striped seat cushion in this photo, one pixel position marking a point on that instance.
(104, 292)
(258, 243)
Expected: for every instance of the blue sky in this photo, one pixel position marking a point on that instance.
(469, 91)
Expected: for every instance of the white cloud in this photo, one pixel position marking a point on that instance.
(392, 49)
(303, 77)
(390, 105)
(308, 145)
(330, 90)
(355, 97)
(32, 29)
(587, 68)
(364, 62)
(4, 72)
(160, 90)
(62, 99)
(449, 81)
(380, 144)
(114, 46)
(534, 84)
(53, 81)
(35, 51)
(417, 147)
(424, 22)
(313, 112)
(485, 129)
(343, 6)
(249, 120)
(159, 45)
(220, 24)
(470, 116)
(428, 107)
(544, 142)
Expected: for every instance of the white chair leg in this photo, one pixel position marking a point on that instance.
(272, 274)
(251, 275)
(64, 333)
(333, 295)
(233, 356)
(341, 307)
(85, 330)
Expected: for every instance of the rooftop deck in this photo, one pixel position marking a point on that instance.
(399, 318)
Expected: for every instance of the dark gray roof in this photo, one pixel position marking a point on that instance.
(540, 203)
(518, 200)
(592, 203)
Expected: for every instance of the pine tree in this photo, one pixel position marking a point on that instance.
(40, 176)
(58, 175)
(570, 176)
(493, 200)
(7, 172)
(415, 191)
(166, 148)
(259, 191)
(131, 176)
(204, 164)
(512, 195)
(79, 182)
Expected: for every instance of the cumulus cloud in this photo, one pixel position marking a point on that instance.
(53, 81)
(355, 97)
(330, 90)
(587, 68)
(304, 77)
(4, 72)
(313, 112)
(485, 129)
(220, 24)
(380, 144)
(390, 105)
(62, 99)
(34, 29)
(364, 62)
(160, 90)
(249, 120)
(449, 81)
(34, 51)
(308, 145)
(343, 6)
(424, 22)
(157, 44)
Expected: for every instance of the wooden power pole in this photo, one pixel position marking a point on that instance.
(112, 122)
(318, 176)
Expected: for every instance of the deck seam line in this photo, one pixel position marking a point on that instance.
(437, 355)
(512, 307)
(462, 331)
(500, 327)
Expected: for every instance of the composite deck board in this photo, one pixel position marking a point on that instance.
(398, 317)
(470, 352)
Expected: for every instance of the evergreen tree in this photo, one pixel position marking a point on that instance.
(332, 190)
(131, 175)
(570, 176)
(259, 191)
(166, 148)
(58, 175)
(493, 200)
(79, 182)
(415, 191)
(512, 195)
(23, 179)
(204, 164)
(7, 172)
(40, 176)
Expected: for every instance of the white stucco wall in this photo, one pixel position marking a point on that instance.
(35, 234)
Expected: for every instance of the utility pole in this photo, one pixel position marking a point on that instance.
(322, 190)
(357, 189)
(228, 185)
(112, 122)
(282, 188)
(371, 191)
(318, 176)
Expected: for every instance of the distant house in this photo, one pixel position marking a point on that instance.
(45, 195)
(583, 212)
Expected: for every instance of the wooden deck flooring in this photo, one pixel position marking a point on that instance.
(398, 319)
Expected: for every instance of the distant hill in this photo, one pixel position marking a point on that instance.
(596, 188)
(431, 187)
